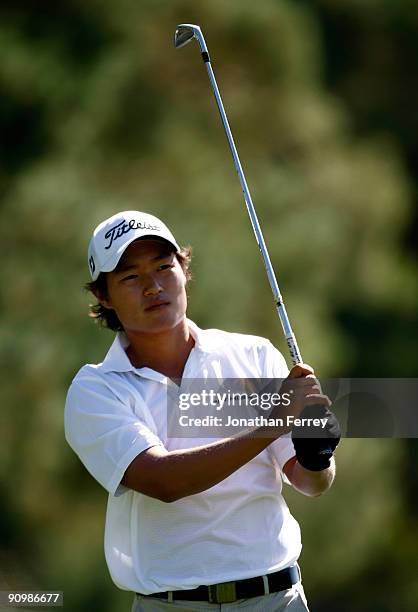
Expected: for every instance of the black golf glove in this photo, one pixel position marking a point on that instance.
(315, 445)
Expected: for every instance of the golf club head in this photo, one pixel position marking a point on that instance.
(184, 34)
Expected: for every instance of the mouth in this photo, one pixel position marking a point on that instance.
(156, 306)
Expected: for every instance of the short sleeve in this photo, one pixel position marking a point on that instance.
(104, 431)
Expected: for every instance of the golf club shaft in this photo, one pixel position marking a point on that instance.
(281, 309)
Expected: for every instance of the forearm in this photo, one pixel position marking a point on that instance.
(309, 482)
(171, 475)
(197, 469)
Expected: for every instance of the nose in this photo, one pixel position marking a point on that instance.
(152, 286)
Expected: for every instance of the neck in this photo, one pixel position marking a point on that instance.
(164, 352)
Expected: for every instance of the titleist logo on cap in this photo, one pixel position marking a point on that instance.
(124, 227)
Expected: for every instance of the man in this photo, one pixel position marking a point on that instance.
(190, 524)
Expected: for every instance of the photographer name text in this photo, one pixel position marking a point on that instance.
(258, 421)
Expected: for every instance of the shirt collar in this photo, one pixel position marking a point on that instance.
(117, 360)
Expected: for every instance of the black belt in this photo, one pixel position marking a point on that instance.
(228, 592)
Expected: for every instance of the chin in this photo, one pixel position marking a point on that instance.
(158, 326)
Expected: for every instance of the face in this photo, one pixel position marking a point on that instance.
(147, 290)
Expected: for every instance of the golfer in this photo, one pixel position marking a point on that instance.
(190, 524)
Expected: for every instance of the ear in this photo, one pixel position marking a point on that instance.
(102, 298)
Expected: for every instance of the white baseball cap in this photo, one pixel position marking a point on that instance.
(111, 238)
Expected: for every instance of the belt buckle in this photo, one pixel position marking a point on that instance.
(224, 592)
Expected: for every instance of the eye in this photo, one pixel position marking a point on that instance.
(130, 277)
(165, 266)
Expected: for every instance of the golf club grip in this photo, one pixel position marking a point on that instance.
(292, 345)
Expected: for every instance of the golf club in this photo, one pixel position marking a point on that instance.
(183, 35)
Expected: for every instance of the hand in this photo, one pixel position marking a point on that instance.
(304, 390)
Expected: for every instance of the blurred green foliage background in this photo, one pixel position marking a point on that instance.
(98, 113)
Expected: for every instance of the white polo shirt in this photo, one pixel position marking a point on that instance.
(237, 529)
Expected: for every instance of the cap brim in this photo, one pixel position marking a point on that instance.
(113, 261)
